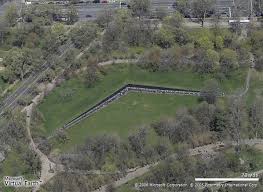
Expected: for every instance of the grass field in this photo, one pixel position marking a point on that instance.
(131, 112)
(3, 85)
(58, 110)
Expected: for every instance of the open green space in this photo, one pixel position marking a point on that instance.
(3, 85)
(131, 112)
(58, 110)
(3, 53)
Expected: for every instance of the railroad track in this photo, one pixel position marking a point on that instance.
(10, 102)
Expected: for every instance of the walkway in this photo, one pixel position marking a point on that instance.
(46, 164)
(247, 84)
(206, 151)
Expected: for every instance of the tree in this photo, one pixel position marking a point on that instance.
(183, 6)
(259, 63)
(228, 60)
(151, 59)
(211, 91)
(164, 38)
(205, 114)
(236, 119)
(205, 43)
(219, 42)
(201, 9)
(138, 140)
(104, 18)
(175, 20)
(256, 117)
(92, 74)
(185, 128)
(11, 15)
(22, 61)
(83, 34)
(138, 32)
(72, 15)
(43, 14)
(210, 61)
(32, 161)
(220, 121)
(140, 8)
(14, 128)
(110, 188)
(3, 30)
(112, 37)
(256, 42)
(236, 27)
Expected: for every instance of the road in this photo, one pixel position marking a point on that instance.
(93, 10)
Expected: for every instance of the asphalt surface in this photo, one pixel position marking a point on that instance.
(90, 11)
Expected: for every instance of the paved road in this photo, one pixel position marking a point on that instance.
(93, 10)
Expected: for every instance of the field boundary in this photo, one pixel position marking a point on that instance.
(123, 91)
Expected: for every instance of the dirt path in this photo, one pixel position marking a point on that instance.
(205, 151)
(247, 84)
(46, 164)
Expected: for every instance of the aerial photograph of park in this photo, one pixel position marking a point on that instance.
(131, 95)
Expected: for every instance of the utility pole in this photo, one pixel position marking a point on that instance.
(229, 9)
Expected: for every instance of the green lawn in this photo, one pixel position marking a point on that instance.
(58, 111)
(3, 53)
(3, 85)
(128, 114)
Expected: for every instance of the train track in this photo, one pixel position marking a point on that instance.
(10, 102)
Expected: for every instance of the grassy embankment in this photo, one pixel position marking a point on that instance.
(131, 111)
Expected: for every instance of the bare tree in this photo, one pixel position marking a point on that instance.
(201, 9)
(140, 8)
(256, 117)
(236, 119)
